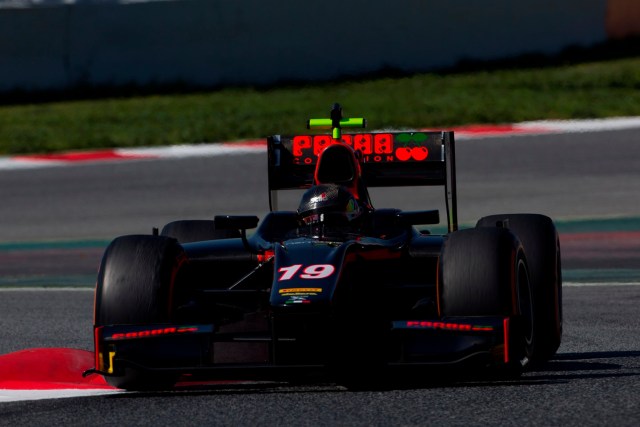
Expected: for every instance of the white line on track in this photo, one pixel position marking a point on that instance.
(593, 125)
(193, 150)
(22, 395)
(591, 284)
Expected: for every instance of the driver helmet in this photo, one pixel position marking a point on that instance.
(328, 203)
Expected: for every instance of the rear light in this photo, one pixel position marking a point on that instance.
(154, 332)
(506, 340)
(446, 326)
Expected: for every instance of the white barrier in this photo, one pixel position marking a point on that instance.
(224, 42)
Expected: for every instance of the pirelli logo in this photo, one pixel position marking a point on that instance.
(300, 291)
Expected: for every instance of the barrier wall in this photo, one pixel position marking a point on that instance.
(623, 18)
(223, 42)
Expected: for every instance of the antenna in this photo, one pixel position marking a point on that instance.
(336, 123)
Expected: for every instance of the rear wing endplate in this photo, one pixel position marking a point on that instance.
(388, 159)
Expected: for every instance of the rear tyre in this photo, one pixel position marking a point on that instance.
(542, 248)
(482, 270)
(134, 286)
(196, 230)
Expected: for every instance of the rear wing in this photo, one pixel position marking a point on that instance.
(388, 159)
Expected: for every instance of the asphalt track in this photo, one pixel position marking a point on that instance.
(593, 381)
(56, 221)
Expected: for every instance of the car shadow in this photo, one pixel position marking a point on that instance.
(587, 365)
(563, 368)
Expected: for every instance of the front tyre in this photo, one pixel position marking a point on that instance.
(135, 287)
(542, 248)
(483, 272)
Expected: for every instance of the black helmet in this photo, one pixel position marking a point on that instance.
(328, 203)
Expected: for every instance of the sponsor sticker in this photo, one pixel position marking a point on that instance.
(299, 291)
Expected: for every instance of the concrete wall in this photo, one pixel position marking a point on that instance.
(222, 42)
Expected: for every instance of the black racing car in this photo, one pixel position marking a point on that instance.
(337, 287)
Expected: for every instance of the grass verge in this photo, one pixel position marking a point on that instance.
(587, 90)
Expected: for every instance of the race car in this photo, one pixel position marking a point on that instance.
(337, 288)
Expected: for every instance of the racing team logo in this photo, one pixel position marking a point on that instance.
(411, 147)
(374, 147)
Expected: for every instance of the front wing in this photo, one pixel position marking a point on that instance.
(198, 350)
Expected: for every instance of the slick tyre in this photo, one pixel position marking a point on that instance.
(134, 286)
(542, 248)
(196, 230)
(484, 273)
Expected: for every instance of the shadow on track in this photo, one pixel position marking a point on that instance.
(564, 368)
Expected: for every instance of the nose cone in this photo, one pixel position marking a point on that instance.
(306, 273)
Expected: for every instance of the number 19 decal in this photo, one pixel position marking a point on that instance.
(315, 271)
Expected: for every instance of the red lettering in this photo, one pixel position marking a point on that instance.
(320, 142)
(301, 143)
(364, 143)
(347, 140)
(303, 160)
(383, 143)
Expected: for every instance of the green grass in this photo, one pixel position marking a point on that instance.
(588, 90)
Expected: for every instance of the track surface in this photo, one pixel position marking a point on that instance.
(593, 381)
(72, 212)
(567, 175)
